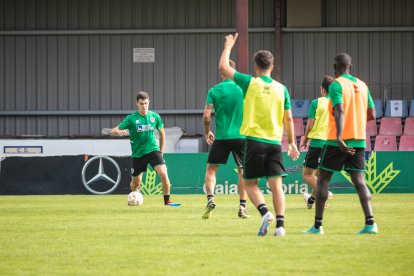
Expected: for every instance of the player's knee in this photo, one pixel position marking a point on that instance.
(359, 184)
(363, 191)
(306, 174)
(135, 181)
(162, 173)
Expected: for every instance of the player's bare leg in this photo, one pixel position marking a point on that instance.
(135, 183)
(257, 198)
(322, 190)
(310, 176)
(358, 179)
(278, 196)
(165, 182)
(210, 182)
(243, 195)
(210, 178)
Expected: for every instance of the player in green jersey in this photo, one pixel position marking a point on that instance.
(140, 125)
(350, 107)
(227, 100)
(317, 132)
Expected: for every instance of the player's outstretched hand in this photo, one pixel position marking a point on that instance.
(293, 151)
(210, 138)
(230, 40)
(344, 148)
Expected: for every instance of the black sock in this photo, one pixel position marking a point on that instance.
(311, 200)
(369, 220)
(243, 203)
(166, 198)
(262, 209)
(280, 221)
(210, 197)
(318, 222)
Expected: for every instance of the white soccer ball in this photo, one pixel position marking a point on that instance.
(135, 199)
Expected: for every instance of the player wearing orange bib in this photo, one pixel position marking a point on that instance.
(352, 107)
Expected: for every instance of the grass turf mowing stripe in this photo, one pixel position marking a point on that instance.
(102, 235)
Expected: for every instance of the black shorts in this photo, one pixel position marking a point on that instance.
(312, 158)
(334, 160)
(139, 165)
(262, 159)
(221, 149)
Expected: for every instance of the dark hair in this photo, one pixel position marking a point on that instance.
(343, 59)
(327, 80)
(141, 95)
(263, 59)
(232, 64)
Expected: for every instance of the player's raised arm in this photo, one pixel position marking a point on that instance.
(224, 65)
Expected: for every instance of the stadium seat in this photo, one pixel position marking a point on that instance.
(371, 128)
(378, 109)
(396, 108)
(368, 141)
(300, 108)
(412, 108)
(409, 126)
(406, 143)
(385, 143)
(390, 126)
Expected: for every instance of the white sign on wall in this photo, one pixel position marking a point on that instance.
(143, 55)
(396, 108)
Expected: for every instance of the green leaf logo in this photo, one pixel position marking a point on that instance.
(376, 182)
(148, 187)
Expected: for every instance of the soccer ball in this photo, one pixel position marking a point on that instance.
(135, 199)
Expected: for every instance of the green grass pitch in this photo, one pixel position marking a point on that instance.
(101, 235)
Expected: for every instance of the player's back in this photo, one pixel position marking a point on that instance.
(227, 99)
(320, 112)
(355, 95)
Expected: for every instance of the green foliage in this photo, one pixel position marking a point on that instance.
(148, 187)
(101, 235)
(376, 182)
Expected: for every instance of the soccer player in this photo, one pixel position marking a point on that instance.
(316, 131)
(352, 106)
(141, 125)
(266, 111)
(227, 100)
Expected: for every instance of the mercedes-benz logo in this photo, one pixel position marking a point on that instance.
(101, 176)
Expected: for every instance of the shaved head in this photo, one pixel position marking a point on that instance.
(343, 64)
(343, 59)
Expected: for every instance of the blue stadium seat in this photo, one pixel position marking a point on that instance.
(300, 108)
(378, 109)
(412, 108)
(396, 108)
